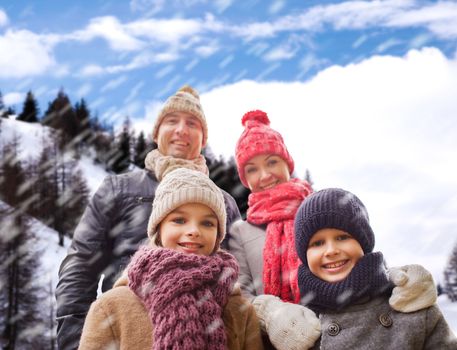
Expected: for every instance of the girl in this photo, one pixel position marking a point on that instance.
(264, 243)
(343, 280)
(179, 291)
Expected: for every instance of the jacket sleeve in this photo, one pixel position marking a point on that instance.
(438, 333)
(236, 248)
(253, 336)
(97, 332)
(80, 271)
(233, 214)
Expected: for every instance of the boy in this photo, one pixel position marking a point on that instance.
(345, 282)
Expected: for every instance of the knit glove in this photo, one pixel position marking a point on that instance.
(414, 288)
(289, 326)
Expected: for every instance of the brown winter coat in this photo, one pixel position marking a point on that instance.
(119, 320)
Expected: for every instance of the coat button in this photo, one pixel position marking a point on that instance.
(333, 329)
(385, 320)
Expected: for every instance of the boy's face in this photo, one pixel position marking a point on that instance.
(190, 228)
(332, 254)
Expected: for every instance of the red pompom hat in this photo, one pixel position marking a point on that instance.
(258, 138)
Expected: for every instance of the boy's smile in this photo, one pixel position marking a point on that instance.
(332, 254)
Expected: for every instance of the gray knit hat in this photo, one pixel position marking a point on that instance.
(186, 99)
(332, 208)
(183, 186)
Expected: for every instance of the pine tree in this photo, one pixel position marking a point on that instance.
(82, 115)
(47, 188)
(308, 178)
(23, 325)
(19, 295)
(8, 112)
(2, 105)
(450, 276)
(60, 115)
(78, 199)
(142, 148)
(225, 176)
(12, 174)
(30, 109)
(121, 157)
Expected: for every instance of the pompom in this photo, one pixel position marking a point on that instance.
(190, 90)
(256, 115)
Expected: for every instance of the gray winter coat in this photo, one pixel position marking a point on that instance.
(246, 243)
(375, 325)
(111, 229)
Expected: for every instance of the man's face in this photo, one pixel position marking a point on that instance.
(180, 135)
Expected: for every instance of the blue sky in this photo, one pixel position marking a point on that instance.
(122, 54)
(364, 92)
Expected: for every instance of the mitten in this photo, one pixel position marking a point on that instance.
(414, 288)
(289, 326)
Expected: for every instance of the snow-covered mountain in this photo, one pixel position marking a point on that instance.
(31, 137)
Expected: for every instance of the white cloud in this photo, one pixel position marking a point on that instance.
(165, 30)
(91, 70)
(383, 128)
(13, 98)
(110, 29)
(143, 59)
(3, 18)
(439, 18)
(280, 53)
(24, 53)
(207, 50)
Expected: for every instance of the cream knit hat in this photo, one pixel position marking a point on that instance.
(183, 186)
(187, 100)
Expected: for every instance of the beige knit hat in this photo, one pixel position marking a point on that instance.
(183, 186)
(187, 100)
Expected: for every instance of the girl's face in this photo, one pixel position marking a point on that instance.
(190, 228)
(332, 254)
(265, 171)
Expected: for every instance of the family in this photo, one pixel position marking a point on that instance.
(299, 273)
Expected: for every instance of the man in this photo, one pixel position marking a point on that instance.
(115, 221)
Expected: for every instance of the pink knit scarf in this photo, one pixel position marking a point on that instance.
(184, 295)
(277, 207)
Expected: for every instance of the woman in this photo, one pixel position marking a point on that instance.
(264, 243)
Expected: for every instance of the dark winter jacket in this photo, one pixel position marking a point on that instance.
(111, 229)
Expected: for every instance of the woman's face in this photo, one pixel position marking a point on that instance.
(190, 228)
(265, 171)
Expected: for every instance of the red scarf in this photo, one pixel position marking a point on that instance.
(277, 207)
